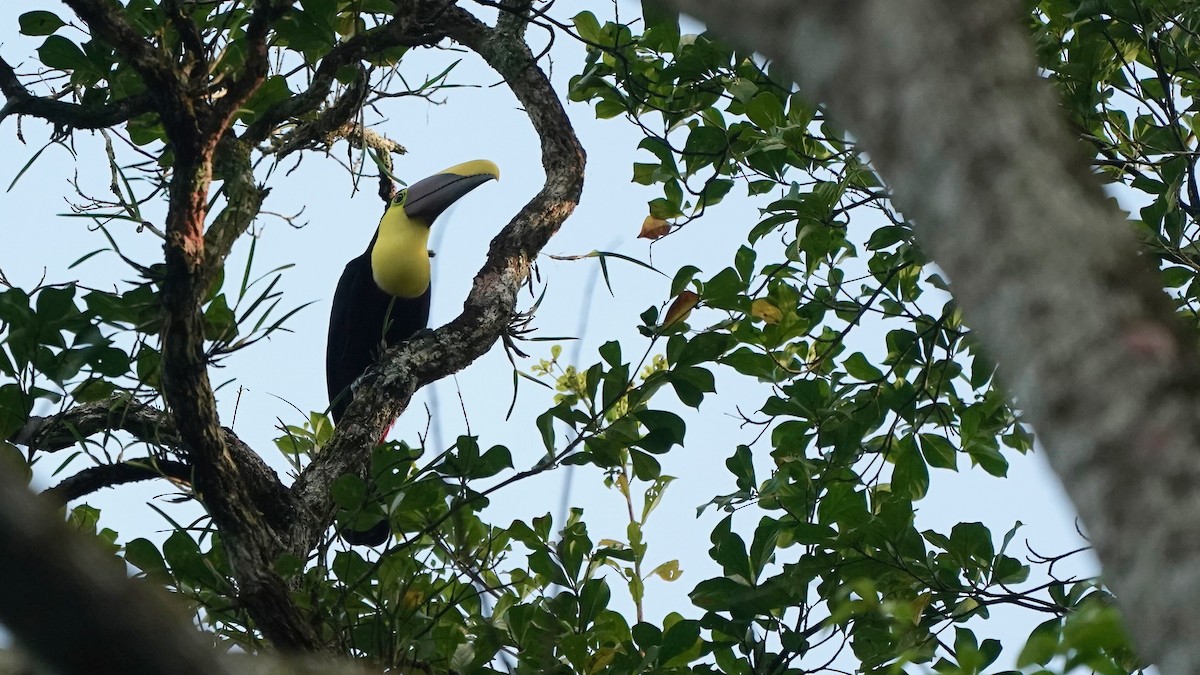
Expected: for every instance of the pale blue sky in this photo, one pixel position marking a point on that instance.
(478, 122)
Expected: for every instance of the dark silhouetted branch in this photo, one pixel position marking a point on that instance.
(68, 604)
(62, 114)
(95, 478)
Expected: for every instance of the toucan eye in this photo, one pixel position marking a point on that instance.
(399, 198)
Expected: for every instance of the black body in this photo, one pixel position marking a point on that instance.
(357, 334)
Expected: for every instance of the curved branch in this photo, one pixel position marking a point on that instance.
(388, 387)
(95, 478)
(514, 17)
(107, 22)
(196, 122)
(63, 430)
(164, 86)
(254, 71)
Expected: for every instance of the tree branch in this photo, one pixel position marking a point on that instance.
(388, 387)
(155, 428)
(266, 12)
(106, 20)
(335, 121)
(949, 105)
(405, 29)
(244, 198)
(61, 113)
(514, 17)
(95, 478)
(195, 124)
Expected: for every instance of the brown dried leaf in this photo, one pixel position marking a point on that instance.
(654, 228)
(681, 308)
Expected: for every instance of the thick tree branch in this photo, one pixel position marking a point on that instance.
(244, 198)
(61, 113)
(189, 36)
(266, 12)
(195, 122)
(514, 17)
(388, 387)
(334, 122)
(63, 430)
(155, 428)
(107, 21)
(949, 105)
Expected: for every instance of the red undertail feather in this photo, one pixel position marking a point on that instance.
(386, 430)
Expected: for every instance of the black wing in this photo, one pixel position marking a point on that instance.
(357, 328)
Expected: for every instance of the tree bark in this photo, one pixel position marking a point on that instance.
(948, 104)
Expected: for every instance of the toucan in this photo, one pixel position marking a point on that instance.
(383, 296)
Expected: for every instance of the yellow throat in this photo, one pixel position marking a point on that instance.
(400, 257)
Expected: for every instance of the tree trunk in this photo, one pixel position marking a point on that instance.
(948, 104)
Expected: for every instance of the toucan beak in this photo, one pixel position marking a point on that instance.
(427, 198)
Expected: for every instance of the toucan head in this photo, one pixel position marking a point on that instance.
(426, 199)
(399, 252)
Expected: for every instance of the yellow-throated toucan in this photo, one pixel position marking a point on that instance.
(383, 296)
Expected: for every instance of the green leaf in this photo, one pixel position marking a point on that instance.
(911, 476)
(741, 465)
(608, 109)
(15, 406)
(647, 636)
(185, 560)
(860, 368)
(593, 599)
(663, 429)
(645, 467)
(679, 639)
(887, 236)
(682, 278)
(611, 353)
(729, 550)
(348, 491)
(988, 457)
(496, 459)
(1008, 570)
(588, 27)
(273, 90)
(59, 52)
(691, 384)
(713, 192)
(545, 425)
(705, 145)
(144, 555)
(1042, 644)
(939, 452)
(704, 348)
(766, 110)
(39, 22)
